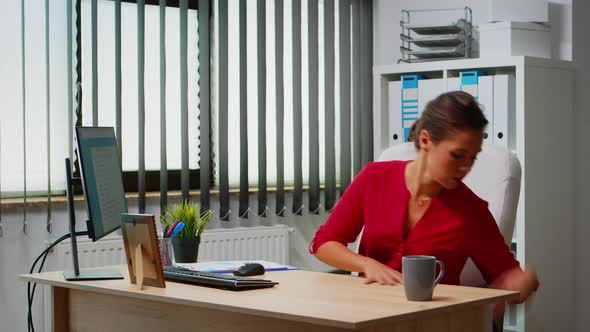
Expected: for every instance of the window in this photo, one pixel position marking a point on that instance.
(310, 113)
(234, 102)
(129, 65)
(30, 139)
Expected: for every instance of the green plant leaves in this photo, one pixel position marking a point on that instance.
(195, 223)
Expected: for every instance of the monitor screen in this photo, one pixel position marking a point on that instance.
(102, 179)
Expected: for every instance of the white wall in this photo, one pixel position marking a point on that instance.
(581, 58)
(386, 29)
(18, 250)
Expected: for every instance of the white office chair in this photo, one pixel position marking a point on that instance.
(495, 177)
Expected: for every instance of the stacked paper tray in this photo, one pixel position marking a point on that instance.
(427, 42)
(436, 40)
(453, 28)
(435, 53)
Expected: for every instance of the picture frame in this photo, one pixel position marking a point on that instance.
(142, 250)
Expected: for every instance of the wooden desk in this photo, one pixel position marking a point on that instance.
(303, 301)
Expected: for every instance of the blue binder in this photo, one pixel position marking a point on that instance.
(409, 102)
(470, 82)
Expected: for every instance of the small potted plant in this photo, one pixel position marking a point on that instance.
(184, 225)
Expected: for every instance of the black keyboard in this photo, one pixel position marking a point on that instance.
(217, 280)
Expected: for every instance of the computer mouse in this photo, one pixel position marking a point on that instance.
(249, 269)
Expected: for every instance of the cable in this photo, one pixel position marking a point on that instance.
(35, 287)
(30, 295)
(44, 254)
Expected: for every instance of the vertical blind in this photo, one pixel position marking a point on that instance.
(280, 109)
(163, 110)
(163, 155)
(223, 120)
(313, 95)
(24, 113)
(292, 94)
(34, 123)
(103, 49)
(204, 106)
(244, 203)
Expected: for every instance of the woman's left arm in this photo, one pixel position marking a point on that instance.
(494, 259)
(516, 279)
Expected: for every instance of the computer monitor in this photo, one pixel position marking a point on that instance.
(102, 180)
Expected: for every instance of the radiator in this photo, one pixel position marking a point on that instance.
(269, 243)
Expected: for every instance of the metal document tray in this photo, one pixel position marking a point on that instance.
(434, 53)
(436, 40)
(422, 29)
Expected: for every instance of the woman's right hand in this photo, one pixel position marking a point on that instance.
(339, 256)
(374, 271)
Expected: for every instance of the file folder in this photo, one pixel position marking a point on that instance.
(395, 133)
(481, 86)
(409, 103)
(485, 97)
(428, 89)
(470, 82)
(504, 110)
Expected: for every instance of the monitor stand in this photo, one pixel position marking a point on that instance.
(77, 274)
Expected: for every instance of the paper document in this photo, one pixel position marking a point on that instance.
(231, 266)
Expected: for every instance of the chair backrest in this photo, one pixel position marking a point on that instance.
(495, 177)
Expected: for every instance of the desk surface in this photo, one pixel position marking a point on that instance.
(304, 296)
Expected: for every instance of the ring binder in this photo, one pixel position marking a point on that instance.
(409, 104)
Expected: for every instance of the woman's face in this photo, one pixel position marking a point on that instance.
(451, 159)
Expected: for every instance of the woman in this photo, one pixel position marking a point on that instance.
(422, 207)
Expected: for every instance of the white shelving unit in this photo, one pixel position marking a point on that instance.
(541, 122)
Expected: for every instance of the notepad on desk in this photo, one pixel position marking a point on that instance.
(231, 266)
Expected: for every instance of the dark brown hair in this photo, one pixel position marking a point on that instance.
(448, 113)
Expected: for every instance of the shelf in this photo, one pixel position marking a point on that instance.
(539, 87)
